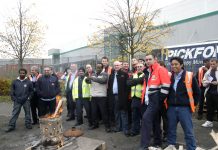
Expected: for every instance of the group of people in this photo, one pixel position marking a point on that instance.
(36, 93)
(130, 101)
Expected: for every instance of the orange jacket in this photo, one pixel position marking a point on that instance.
(158, 82)
(200, 76)
(188, 84)
(37, 77)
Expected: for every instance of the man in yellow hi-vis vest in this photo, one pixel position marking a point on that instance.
(81, 95)
(136, 83)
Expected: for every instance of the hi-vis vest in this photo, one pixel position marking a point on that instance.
(188, 84)
(137, 90)
(85, 89)
(200, 76)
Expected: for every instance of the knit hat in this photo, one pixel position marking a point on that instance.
(81, 68)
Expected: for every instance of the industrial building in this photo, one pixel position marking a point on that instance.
(193, 26)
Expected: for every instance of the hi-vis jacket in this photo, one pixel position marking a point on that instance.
(137, 89)
(187, 91)
(85, 89)
(158, 83)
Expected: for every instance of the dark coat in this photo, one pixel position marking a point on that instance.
(180, 97)
(122, 88)
(21, 91)
(47, 87)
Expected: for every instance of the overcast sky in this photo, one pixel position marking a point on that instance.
(69, 22)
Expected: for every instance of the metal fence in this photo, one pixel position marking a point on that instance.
(9, 67)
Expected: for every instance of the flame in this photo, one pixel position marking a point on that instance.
(59, 111)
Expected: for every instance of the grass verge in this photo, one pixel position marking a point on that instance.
(5, 99)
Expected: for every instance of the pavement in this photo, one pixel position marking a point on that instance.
(21, 137)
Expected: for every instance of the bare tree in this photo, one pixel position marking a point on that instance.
(131, 24)
(22, 36)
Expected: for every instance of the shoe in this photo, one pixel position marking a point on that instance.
(29, 127)
(93, 127)
(143, 148)
(116, 130)
(78, 124)
(154, 148)
(127, 134)
(107, 130)
(69, 119)
(170, 147)
(9, 130)
(35, 123)
(200, 117)
(164, 139)
(133, 134)
(207, 124)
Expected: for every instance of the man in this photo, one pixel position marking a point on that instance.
(98, 92)
(136, 84)
(69, 78)
(141, 61)
(89, 70)
(125, 67)
(81, 94)
(156, 91)
(210, 81)
(21, 92)
(47, 88)
(199, 76)
(118, 98)
(134, 64)
(105, 62)
(33, 77)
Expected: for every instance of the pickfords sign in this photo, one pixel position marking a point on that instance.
(193, 55)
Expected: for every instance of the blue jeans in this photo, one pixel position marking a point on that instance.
(184, 116)
(121, 118)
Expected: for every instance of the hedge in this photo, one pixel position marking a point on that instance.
(5, 85)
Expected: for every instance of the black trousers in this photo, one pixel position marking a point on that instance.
(46, 107)
(101, 104)
(163, 116)
(34, 107)
(201, 102)
(212, 105)
(71, 105)
(86, 103)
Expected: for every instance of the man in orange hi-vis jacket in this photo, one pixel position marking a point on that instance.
(155, 91)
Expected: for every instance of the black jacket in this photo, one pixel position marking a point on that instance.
(180, 97)
(47, 87)
(21, 91)
(122, 88)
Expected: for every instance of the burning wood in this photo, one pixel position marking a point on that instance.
(59, 108)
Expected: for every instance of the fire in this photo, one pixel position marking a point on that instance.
(58, 109)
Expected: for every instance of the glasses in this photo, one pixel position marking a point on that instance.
(139, 66)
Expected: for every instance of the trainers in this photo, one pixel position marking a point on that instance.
(207, 124)
(154, 148)
(170, 147)
(9, 130)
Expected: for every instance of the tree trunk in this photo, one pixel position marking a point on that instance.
(20, 63)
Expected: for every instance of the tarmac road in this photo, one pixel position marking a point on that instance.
(18, 139)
